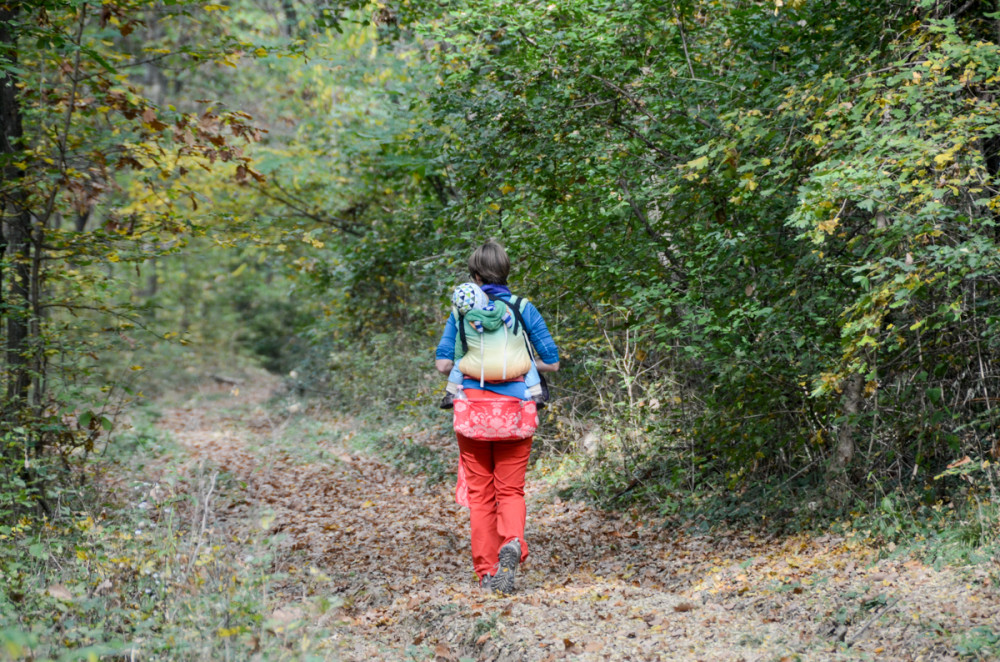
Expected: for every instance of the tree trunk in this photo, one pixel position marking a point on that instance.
(155, 81)
(17, 236)
(35, 320)
(853, 387)
(186, 296)
(291, 19)
(19, 309)
(152, 281)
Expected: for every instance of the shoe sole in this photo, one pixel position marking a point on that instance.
(510, 557)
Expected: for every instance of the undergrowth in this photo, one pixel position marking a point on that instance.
(951, 519)
(413, 440)
(137, 564)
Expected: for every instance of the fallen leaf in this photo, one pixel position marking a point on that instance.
(60, 592)
(442, 652)
(282, 617)
(685, 606)
(958, 463)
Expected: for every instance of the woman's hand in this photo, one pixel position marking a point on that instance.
(444, 366)
(546, 367)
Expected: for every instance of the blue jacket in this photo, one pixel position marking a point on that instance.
(538, 333)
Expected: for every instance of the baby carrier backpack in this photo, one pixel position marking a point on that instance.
(503, 352)
(498, 354)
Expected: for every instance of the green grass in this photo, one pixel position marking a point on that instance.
(979, 643)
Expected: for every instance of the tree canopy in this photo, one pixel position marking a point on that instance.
(764, 233)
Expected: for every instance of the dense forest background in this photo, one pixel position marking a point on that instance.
(764, 233)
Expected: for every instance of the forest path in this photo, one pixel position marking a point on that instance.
(598, 585)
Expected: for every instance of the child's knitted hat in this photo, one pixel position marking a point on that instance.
(469, 296)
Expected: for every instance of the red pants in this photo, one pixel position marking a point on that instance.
(495, 472)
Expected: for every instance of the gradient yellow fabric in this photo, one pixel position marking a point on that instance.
(495, 355)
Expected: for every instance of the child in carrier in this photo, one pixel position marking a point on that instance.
(475, 313)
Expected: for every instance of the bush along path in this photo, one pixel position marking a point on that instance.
(372, 564)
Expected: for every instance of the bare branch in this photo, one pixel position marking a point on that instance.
(301, 208)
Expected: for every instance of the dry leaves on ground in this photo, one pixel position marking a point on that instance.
(598, 585)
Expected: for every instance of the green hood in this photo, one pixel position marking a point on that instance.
(490, 319)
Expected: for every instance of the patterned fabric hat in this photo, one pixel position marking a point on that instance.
(469, 296)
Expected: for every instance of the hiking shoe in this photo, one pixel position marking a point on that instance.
(510, 557)
(447, 402)
(485, 582)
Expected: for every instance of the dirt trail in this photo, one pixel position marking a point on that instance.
(598, 586)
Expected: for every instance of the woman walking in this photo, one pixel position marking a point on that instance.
(495, 469)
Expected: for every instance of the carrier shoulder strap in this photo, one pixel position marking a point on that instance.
(514, 305)
(461, 333)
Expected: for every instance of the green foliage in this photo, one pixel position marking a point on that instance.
(752, 204)
(780, 198)
(729, 213)
(979, 643)
(95, 167)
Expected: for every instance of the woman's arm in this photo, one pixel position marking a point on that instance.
(444, 355)
(545, 346)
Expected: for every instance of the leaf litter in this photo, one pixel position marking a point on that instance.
(393, 553)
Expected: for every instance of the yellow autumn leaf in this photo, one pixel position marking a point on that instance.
(829, 226)
(699, 163)
(947, 157)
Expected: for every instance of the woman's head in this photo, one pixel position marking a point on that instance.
(490, 264)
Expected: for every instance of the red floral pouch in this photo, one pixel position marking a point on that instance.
(496, 419)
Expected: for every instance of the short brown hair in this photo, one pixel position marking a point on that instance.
(490, 263)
